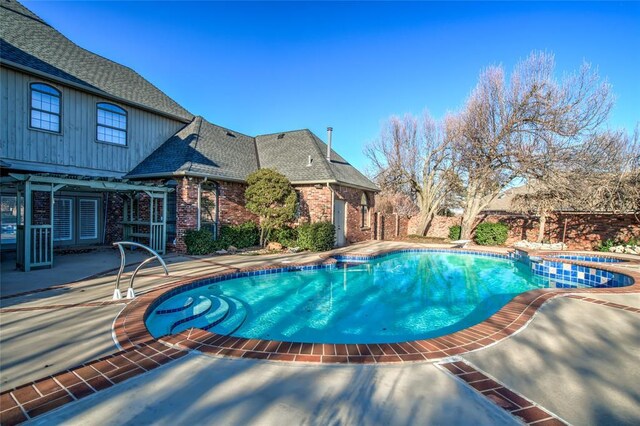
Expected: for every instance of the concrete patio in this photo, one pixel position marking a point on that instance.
(576, 359)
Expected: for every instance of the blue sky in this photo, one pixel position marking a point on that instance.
(267, 67)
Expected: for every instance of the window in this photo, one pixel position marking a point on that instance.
(9, 218)
(88, 224)
(112, 124)
(62, 219)
(364, 211)
(45, 107)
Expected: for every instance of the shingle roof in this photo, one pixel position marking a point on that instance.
(289, 153)
(202, 149)
(30, 42)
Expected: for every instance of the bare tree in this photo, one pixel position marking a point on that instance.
(413, 156)
(508, 129)
(599, 173)
(390, 201)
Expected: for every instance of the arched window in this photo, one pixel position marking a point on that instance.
(364, 211)
(45, 107)
(112, 124)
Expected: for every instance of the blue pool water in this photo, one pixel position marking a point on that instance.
(398, 297)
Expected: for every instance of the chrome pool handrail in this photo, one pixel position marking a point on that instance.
(130, 293)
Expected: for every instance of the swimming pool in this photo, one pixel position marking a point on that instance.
(391, 298)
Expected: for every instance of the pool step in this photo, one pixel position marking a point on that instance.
(175, 305)
(218, 312)
(200, 308)
(233, 321)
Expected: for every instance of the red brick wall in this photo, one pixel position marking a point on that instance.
(186, 209)
(315, 203)
(584, 231)
(232, 204)
(354, 232)
(114, 208)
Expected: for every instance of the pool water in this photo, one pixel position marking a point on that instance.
(398, 297)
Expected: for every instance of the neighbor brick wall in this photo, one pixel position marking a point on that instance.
(584, 230)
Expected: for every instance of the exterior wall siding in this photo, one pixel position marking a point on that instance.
(75, 149)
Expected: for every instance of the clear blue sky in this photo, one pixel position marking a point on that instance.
(268, 67)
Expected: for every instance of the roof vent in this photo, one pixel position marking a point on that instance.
(309, 161)
(281, 135)
(231, 134)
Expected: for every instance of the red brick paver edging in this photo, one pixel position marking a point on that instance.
(131, 329)
(503, 397)
(33, 399)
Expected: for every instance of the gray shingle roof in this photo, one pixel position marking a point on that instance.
(202, 149)
(289, 153)
(30, 42)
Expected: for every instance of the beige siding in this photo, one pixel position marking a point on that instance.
(76, 149)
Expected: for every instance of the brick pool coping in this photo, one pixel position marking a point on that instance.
(130, 329)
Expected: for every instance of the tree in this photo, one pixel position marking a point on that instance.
(271, 197)
(516, 129)
(413, 157)
(599, 173)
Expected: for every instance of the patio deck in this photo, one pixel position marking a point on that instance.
(55, 329)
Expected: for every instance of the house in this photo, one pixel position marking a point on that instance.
(92, 152)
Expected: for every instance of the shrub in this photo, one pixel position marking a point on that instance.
(199, 241)
(319, 236)
(454, 232)
(491, 234)
(240, 236)
(270, 196)
(286, 236)
(325, 236)
(606, 245)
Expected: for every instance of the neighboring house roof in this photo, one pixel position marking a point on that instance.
(504, 200)
(202, 149)
(289, 153)
(29, 42)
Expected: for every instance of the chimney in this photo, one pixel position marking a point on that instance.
(329, 132)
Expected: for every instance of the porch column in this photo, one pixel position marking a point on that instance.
(27, 226)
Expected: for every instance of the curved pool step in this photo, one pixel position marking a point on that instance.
(175, 304)
(234, 320)
(218, 312)
(200, 308)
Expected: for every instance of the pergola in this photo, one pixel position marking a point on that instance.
(34, 242)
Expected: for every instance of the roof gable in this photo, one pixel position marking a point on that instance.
(290, 152)
(202, 149)
(30, 42)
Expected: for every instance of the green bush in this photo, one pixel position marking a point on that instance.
(319, 236)
(286, 236)
(454, 232)
(239, 236)
(199, 241)
(491, 234)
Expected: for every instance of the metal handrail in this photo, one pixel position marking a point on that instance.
(130, 293)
